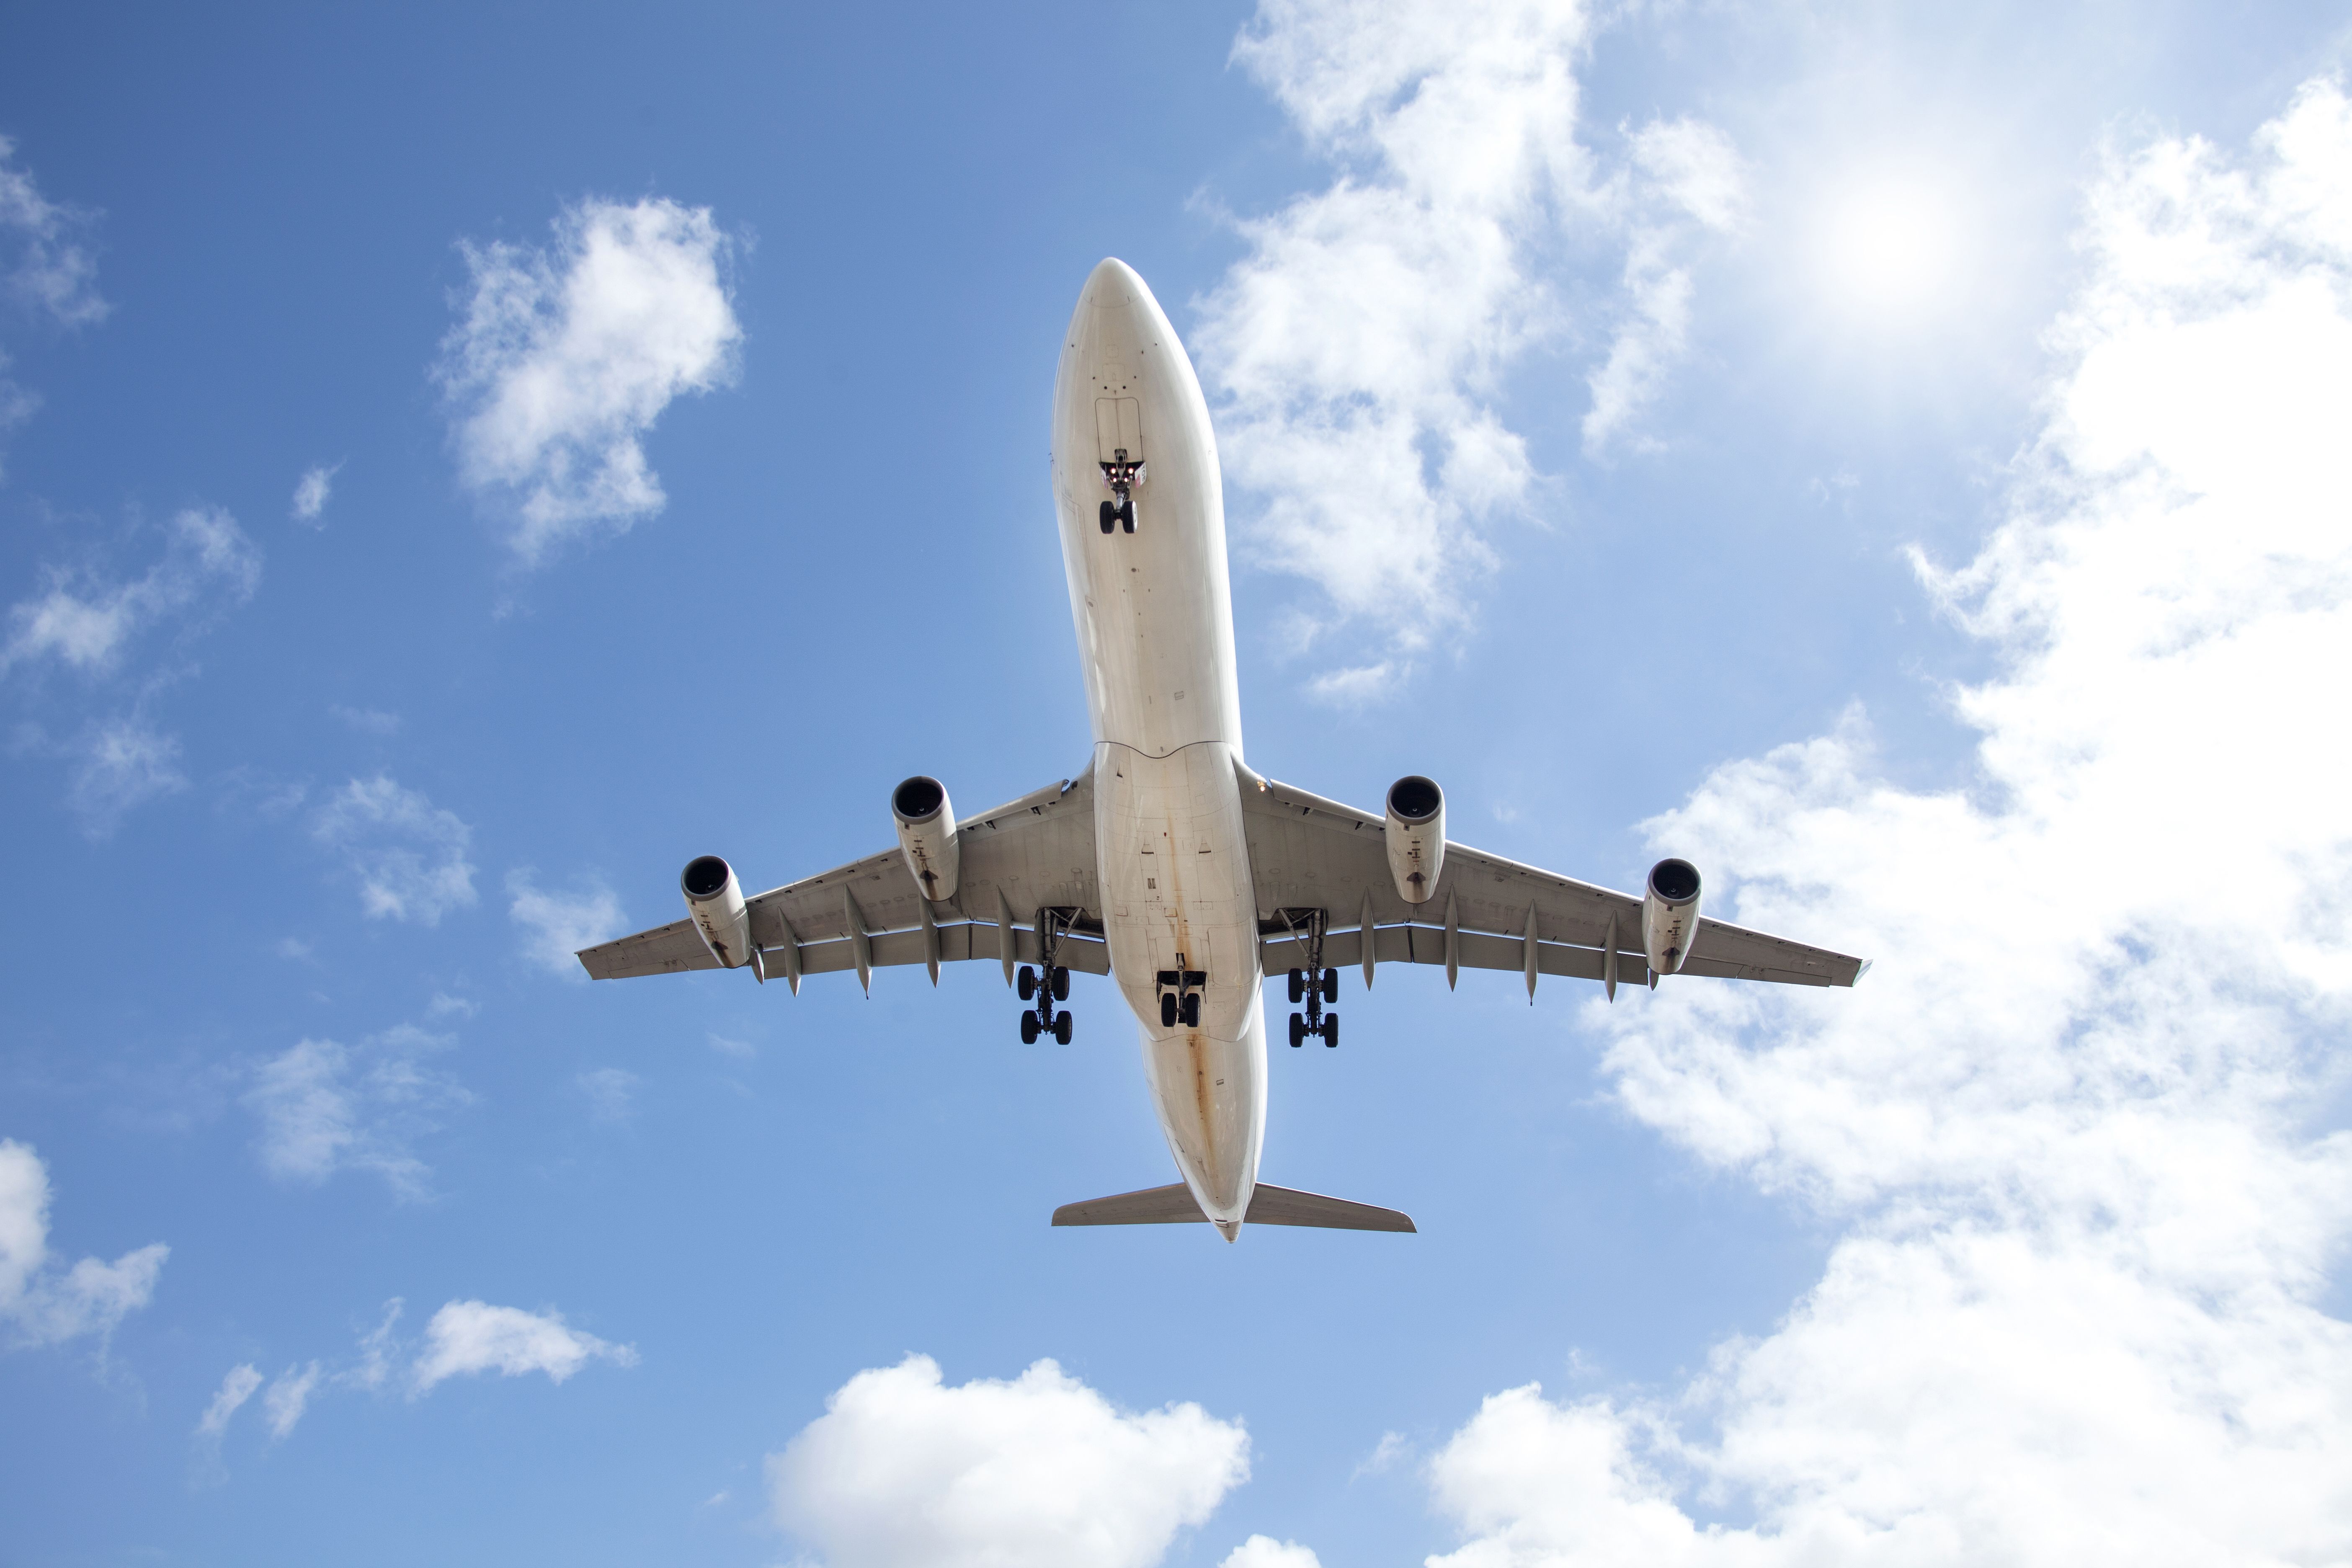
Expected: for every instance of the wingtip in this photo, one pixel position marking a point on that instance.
(1863, 970)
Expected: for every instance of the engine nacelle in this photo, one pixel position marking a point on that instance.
(715, 900)
(1416, 838)
(927, 834)
(1670, 914)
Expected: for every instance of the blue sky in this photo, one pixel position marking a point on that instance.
(459, 465)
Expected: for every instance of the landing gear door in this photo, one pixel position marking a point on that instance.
(1119, 430)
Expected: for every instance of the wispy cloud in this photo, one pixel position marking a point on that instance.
(2080, 1131)
(467, 1337)
(42, 1303)
(408, 854)
(1355, 352)
(325, 1107)
(311, 490)
(84, 621)
(611, 1093)
(119, 763)
(366, 721)
(289, 1397)
(902, 1472)
(50, 269)
(567, 356)
(235, 1389)
(558, 925)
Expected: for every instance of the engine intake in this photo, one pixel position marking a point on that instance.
(1416, 838)
(927, 834)
(1670, 914)
(714, 899)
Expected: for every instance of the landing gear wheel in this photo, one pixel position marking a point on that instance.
(1062, 1029)
(1109, 515)
(1330, 986)
(1297, 1030)
(1028, 1028)
(1127, 515)
(1297, 988)
(1026, 986)
(1191, 1011)
(1168, 1009)
(1331, 1030)
(1062, 983)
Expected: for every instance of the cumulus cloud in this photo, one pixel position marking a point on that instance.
(325, 1107)
(310, 491)
(40, 1303)
(2075, 1130)
(408, 854)
(1354, 351)
(84, 621)
(1266, 1552)
(468, 1337)
(901, 1470)
(568, 355)
(50, 270)
(558, 925)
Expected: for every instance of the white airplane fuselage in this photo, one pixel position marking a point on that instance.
(1155, 623)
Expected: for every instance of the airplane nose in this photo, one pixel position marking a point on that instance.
(1114, 285)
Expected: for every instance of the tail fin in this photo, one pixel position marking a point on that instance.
(1269, 1206)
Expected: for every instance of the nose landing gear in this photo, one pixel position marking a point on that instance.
(1122, 476)
(1180, 996)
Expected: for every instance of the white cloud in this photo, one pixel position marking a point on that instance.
(289, 1397)
(1354, 354)
(121, 762)
(559, 925)
(1041, 1470)
(467, 1337)
(85, 622)
(51, 271)
(2080, 1129)
(567, 356)
(41, 1303)
(1266, 1552)
(326, 1107)
(611, 1092)
(311, 490)
(235, 1389)
(408, 854)
(366, 721)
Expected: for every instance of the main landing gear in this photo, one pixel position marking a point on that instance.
(1314, 985)
(1122, 476)
(1180, 996)
(1053, 985)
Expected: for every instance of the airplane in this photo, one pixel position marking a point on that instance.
(1168, 865)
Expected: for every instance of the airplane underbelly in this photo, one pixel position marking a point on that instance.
(1180, 919)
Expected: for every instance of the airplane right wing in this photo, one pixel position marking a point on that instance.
(1033, 854)
(1309, 853)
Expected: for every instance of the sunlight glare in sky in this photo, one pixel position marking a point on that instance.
(1890, 244)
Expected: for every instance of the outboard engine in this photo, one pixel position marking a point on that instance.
(715, 900)
(927, 834)
(1670, 914)
(1416, 836)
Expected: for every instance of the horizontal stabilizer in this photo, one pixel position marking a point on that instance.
(1269, 1206)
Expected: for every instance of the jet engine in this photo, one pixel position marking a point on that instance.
(715, 900)
(1416, 836)
(927, 834)
(1670, 914)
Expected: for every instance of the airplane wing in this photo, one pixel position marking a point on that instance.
(1308, 853)
(1031, 854)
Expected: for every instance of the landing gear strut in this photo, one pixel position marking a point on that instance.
(1122, 476)
(1180, 996)
(1052, 986)
(1315, 984)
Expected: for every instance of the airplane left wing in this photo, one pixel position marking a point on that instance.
(1309, 853)
(1028, 855)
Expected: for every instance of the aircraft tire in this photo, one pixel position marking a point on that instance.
(1297, 1030)
(1026, 987)
(1061, 983)
(1297, 988)
(1330, 986)
(1127, 516)
(1109, 515)
(1168, 1009)
(1062, 1029)
(1028, 1028)
(1331, 1030)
